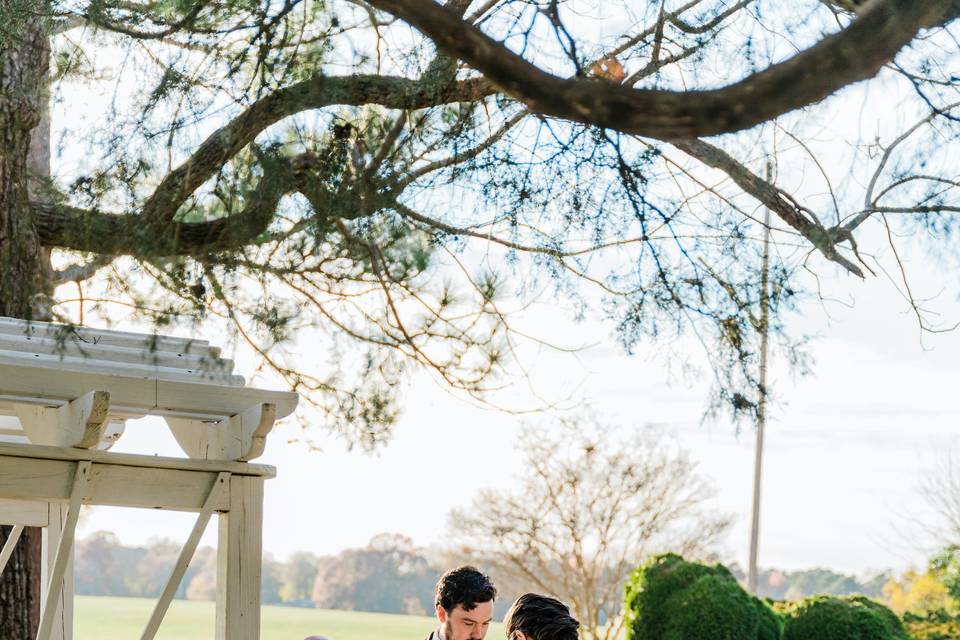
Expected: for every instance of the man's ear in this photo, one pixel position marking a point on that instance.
(441, 614)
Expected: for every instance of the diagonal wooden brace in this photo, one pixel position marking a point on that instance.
(79, 423)
(8, 547)
(241, 437)
(64, 551)
(220, 485)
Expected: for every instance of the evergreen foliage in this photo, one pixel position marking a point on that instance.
(670, 598)
(841, 618)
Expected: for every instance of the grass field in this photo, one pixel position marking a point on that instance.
(125, 619)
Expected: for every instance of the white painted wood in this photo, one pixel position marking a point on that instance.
(79, 423)
(27, 513)
(239, 554)
(220, 486)
(132, 460)
(12, 432)
(9, 546)
(8, 410)
(111, 433)
(9, 426)
(62, 628)
(111, 485)
(71, 389)
(55, 586)
(82, 365)
(61, 332)
(230, 401)
(98, 351)
(20, 383)
(242, 437)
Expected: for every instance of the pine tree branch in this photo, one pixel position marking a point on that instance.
(851, 55)
(825, 240)
(315, 93)
(112, 234)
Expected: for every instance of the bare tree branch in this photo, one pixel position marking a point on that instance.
(825, 240)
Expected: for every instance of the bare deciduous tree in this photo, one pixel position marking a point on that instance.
(941, 492)
(592, 502)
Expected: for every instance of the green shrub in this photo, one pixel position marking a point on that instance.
(847, 618)
(936, 625)
(770, 623)
(672, 599)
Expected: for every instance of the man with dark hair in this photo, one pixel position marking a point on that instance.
(464, 605)
(536, 617)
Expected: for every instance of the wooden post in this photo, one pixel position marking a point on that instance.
(56, 619)
(62, 628)
(239, 556)
(764, 330)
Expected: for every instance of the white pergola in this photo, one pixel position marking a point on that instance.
(65, 396)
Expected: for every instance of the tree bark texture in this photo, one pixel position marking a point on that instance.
(24, 61)
(24, 264)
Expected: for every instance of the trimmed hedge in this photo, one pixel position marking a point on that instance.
(846, 618)
(936, 625)
(672, 599)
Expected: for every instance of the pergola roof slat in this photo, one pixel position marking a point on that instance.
(99, 350)
(149, 395)
(81, 364)
(109, 337)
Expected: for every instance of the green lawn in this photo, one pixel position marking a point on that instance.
(125, 619)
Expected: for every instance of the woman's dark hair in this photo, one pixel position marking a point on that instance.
(541, 618)
(464, 586)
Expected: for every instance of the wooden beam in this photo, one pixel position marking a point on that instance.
(64, 551)
(149, 395)
(144, 354)
(83, 364)
(228, 400)
(242, 437)
(109, 337)
(111, 485)
(79, 423)
(134, 460)
(186, 553)
(112, 432)
(239, 556)
(29, 514)
(9, 546)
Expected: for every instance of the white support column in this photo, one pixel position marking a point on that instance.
(62, 628)
(239, 557)
(56, 618)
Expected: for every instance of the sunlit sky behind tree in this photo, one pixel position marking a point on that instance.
(847, 451)
(848, 445)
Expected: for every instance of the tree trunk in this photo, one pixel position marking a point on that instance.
(24, 264)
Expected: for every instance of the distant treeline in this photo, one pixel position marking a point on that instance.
(389, 575)
(796, 585)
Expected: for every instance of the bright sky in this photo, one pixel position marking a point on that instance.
(847, 448)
